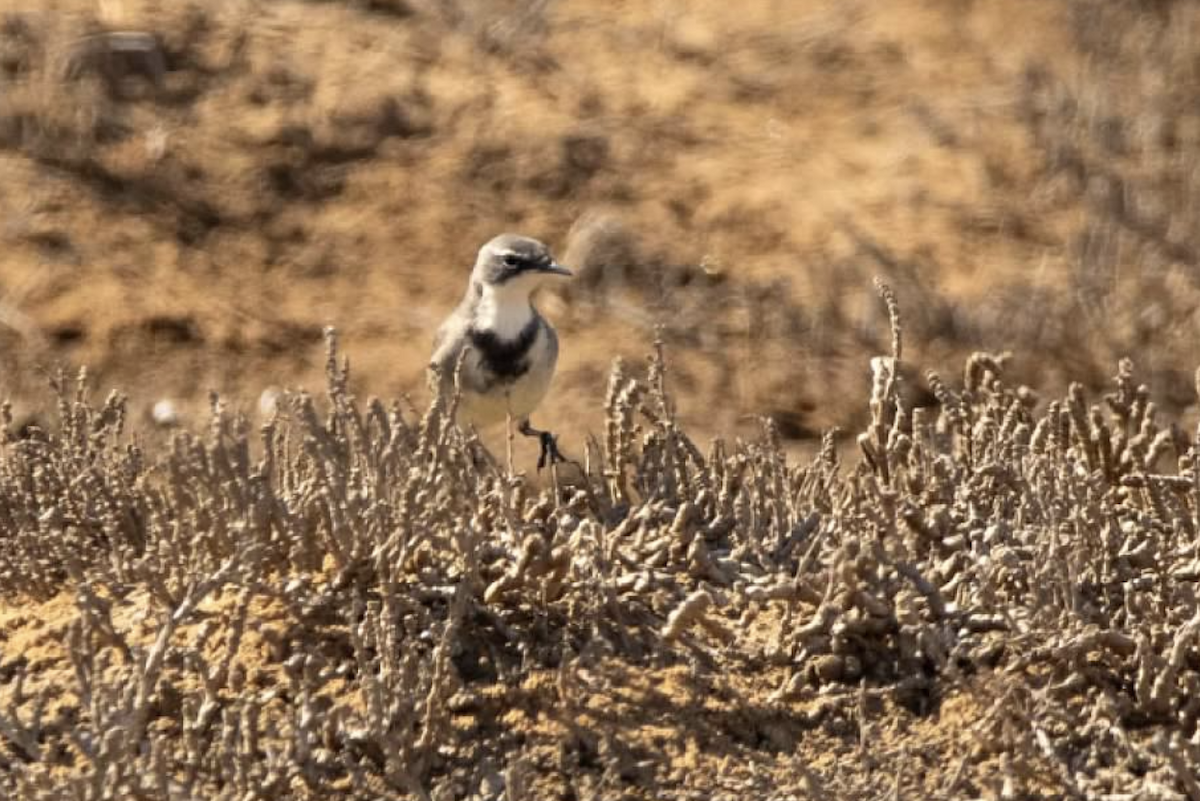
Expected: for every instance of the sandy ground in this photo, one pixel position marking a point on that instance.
(674, 730)
(736, 174)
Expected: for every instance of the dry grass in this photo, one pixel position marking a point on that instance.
(351, 601)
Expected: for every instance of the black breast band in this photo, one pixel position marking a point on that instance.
(506, 359)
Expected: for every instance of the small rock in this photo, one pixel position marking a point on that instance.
(492, 786)
(164, 413)
(268, 401)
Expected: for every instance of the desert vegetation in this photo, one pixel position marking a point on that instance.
(353, 601)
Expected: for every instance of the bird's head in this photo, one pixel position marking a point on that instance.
(512, 264)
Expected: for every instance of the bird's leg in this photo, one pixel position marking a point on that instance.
(550, 453)
(508, 421)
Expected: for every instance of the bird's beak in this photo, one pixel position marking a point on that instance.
(554, 268)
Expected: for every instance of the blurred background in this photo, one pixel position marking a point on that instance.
(190, 191)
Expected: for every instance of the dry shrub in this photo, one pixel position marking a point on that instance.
(307, 610)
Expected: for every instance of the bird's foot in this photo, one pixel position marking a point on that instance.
(550, 454)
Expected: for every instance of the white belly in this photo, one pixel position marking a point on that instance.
(518, 398)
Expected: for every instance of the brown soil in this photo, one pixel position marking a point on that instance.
(720, 733)
(737, 174)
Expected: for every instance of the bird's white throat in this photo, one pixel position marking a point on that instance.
(503, 311)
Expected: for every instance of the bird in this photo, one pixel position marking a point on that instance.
(511, 349)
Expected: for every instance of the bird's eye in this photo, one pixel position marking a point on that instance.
(511, 260)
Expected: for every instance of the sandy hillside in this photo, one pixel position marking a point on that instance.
(737, 174)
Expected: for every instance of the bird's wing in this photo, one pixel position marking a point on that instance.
(551, 343)
(447, 344)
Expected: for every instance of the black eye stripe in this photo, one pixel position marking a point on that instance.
(512, 264)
